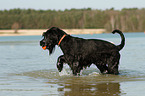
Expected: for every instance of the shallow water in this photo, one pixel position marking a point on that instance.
(27, 70)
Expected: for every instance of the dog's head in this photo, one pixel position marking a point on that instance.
(51, 38)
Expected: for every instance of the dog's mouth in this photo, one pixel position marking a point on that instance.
(48, 46)
(44, 47)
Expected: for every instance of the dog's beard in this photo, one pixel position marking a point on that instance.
(51, 49)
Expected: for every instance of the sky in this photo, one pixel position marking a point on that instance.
(68, 4)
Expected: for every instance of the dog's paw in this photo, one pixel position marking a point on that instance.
(105, 72)
(59, 67)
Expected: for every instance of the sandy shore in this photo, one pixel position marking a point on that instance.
(27, 32)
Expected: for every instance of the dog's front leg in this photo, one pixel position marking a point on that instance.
(77, 67)
(60, 62)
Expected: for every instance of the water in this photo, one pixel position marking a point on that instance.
(27, 70)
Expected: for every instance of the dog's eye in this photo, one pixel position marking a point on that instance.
(43, 33)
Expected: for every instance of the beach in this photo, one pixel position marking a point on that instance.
(29, 32)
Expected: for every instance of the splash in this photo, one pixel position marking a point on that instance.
(86, 72)
(66, 71)
(94, 74)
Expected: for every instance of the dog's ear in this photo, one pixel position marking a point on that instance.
(58, 31)
(55, 29)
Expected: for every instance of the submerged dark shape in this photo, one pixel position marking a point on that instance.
(80, 53)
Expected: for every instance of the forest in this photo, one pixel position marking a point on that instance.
(127, 19)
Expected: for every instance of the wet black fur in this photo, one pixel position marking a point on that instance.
(80, 53)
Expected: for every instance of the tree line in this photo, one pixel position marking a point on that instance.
(127, 19)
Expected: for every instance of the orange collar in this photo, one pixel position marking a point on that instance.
(61, 39)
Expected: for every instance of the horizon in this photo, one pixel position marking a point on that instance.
(70, 9)
(70, 4)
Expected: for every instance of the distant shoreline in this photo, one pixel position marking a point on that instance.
(29, 32)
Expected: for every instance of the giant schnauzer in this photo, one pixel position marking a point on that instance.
(80, 53)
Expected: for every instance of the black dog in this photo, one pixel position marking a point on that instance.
(80, 53)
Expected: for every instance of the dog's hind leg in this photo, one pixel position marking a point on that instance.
(60, 62)
(113, 63)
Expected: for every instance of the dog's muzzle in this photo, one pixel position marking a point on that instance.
(42, 44)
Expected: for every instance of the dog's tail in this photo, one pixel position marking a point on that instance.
(122, 39)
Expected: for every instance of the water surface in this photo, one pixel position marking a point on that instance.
(27, 70)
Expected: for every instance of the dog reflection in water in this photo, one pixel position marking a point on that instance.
(85, 89)
(80, 53)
